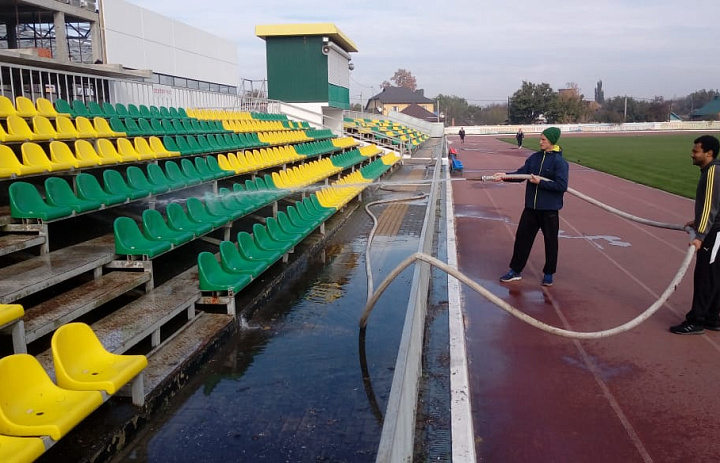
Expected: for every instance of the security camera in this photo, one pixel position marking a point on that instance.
(351, 66)
(326, 50)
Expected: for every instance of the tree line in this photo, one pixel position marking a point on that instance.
(533, 103)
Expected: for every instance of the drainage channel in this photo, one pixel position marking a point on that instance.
(292, 385)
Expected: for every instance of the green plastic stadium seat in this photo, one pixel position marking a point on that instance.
(248, 248)
(115, 184)
(233, 262)
(215, 206)
(89, 188)
(203, 169)
(129, 240)
(137, 179)
(63, 107)
(157, 176)
(133, 111)
(175, 174)
(109, 110)
(213, 278)
(80, 109)
(121, 110)
(277, 233)
(197, 212)
(189, 170)
(177, 219)
(27, 203)
(155, 228)
(95, 109)
(60, 194)
(264, 240)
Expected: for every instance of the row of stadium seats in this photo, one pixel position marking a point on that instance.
(159, 127)
(26, 202)
(243, 261)
(32, 406)
(18, 130)
(159, 235)
(35, 159)
(234, 115)
(254, 253)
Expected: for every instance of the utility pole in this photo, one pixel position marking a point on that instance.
(625, 111)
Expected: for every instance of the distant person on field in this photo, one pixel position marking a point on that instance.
(519, 137)
(462, 135)
(543, 201)
(705, 309)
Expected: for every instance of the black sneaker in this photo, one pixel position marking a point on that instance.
(712, 326)
(687, 328)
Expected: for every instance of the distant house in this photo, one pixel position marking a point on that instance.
(711, 111)
(397, 99)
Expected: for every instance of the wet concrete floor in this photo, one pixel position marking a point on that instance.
(296, 384)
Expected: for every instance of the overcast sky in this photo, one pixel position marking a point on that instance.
(483, 50)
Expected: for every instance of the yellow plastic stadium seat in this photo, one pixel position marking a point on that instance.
(106, 149)
(61, 152)
(85, 152)
(34, 155)
(20, 449)
(157, 146)
(25, 107)
(32, 405)
(143, 147)
(126, 149)
(103, 129)
(10, 162)
(42, 125)
(6, 107)
(10, 313)
(83, 364)
(18, 126)
(224, 163)
(65, 128)
(7, 138)
(85, 128)
(45, 108)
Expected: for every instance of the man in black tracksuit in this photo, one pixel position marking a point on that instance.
(543, 201)
(705, 309)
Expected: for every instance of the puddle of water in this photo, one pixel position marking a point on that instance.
(295, 389)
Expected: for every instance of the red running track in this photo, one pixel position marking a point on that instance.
(641, 396)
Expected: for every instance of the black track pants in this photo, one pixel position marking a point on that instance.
(531, 221)
(706, 292)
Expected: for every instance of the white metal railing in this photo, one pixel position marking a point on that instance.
(35, 82)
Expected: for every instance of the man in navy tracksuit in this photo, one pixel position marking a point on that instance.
(705, 310)
(543, 201)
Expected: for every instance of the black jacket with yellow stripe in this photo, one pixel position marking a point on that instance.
(707, 200)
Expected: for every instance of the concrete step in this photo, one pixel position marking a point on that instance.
(44, 318)
(18, 242)
(38, 273)
(130, 324)
(167, 364)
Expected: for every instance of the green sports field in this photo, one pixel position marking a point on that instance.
(658, 160)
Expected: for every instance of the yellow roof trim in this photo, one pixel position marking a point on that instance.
(327, 29)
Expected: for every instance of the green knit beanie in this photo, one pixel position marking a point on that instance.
(552, 134)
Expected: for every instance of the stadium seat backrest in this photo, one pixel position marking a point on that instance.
(65, 126)
(25, 107)
(80, 108)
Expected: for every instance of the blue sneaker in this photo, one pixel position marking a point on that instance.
(511, 275)
(547, 280)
